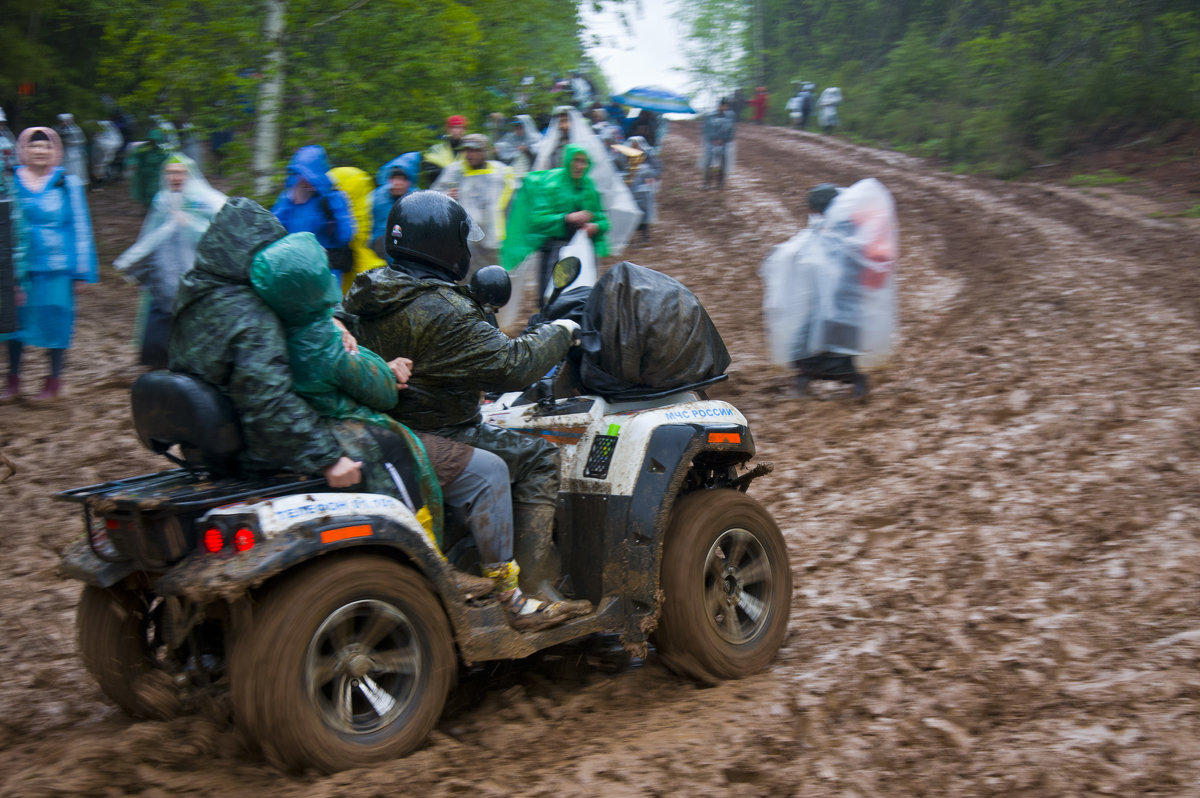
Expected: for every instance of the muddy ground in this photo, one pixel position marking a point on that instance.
(995, 556)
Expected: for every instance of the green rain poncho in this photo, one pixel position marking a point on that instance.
(542, 202)
(292, 276)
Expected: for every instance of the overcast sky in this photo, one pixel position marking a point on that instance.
(641, 57)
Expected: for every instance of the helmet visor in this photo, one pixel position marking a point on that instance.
(476, 232)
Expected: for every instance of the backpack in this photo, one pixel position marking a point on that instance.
(341, 259)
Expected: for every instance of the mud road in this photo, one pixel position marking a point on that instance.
(996, 556)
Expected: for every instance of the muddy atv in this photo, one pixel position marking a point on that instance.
(334, 620)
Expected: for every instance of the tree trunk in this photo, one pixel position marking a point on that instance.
(270, 94)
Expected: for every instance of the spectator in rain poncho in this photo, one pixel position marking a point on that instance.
(827, 108)
(166, 249)
(549, 210)
(518, 147)
(74, 142)
(144, 163)
(60, 251)
(484, 188)
(190, 144)
(718, 133)
(105, 146)
(395, 178)
(8, 144)
(569, 126)
(828, 293)
(311, 203)
(445, 150)
(641, 172)
(358, 187)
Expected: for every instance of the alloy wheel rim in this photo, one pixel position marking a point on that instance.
(737, 585)
(363, 666)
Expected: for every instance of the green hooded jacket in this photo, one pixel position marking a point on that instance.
(539, 208)
(292, 276)
(456, 353)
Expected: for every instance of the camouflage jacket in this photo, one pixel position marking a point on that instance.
(456, 353)
(224, 333)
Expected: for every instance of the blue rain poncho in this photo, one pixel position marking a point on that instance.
(326, 214)
(382, 199)
(59, 249)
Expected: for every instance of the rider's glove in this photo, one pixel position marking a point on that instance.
(571, 327)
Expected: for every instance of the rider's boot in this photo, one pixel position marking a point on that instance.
(533, 547)
(526, 613)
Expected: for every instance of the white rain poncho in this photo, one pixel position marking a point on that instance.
(105, 146)
(619, 205)
(75, 159)
(166, 246)
(827, 107)
(830, 289)
(507, 147)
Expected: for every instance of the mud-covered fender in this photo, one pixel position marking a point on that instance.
(80, 562)
(295, 529)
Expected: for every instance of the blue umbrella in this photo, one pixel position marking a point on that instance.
(655, 98)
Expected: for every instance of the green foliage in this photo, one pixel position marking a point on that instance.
(1000, 84)
(1105, 177)
(368, 79)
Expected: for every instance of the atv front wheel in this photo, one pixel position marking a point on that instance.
(727, 587)
(345, 665)
(114, 629)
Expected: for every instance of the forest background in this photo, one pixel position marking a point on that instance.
(994, 86)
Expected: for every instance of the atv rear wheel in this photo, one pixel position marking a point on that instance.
(727, 587)
(345, 665)
(113, 626)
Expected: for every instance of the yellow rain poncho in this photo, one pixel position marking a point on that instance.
(357, 186)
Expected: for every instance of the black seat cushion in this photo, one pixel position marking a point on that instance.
(171, 408)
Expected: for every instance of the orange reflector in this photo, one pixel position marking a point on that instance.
(724, 437)
(346, 533)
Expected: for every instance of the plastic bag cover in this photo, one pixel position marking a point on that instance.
(644, 331)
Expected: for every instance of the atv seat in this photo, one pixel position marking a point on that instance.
(171, 408)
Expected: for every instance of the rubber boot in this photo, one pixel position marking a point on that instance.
(49, 390)
(533, 547)
(12, 390)
(526, 613)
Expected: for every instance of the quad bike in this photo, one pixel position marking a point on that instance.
(334, 620)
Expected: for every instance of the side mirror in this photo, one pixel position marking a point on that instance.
(565, 272)
(491, 288)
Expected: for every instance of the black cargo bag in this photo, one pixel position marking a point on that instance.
(644, 332)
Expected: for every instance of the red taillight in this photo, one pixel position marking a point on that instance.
(112, 523)
(214, 540)
(243, 539)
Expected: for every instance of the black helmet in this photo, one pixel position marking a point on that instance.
(432, 228)
(820, 196)
(491, 287)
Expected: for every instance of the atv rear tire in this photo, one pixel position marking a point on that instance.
(727, 587)
(346, 664)
(114, 643)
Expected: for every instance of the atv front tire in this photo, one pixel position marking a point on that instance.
(346, 664)
(727, 587)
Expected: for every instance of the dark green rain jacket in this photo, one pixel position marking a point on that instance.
(456, 353)
(541, 204)
(292, 276)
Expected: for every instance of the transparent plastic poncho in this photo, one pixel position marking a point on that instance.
(166, 246)
(830, 289)
(623, 212)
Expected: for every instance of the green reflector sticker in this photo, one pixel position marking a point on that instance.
(614, 429)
